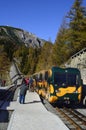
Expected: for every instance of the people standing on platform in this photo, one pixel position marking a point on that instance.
(31, 87)
(27, 82)
(23, 90)
(3, 82)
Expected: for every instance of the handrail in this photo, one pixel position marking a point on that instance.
(83, 50)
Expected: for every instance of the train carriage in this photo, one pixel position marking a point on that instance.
(59, 85)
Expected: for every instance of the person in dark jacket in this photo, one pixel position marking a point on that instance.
(23, 90)
(31, 87)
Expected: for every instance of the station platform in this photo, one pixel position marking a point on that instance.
(33, 115)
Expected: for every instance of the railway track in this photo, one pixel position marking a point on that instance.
(7, 96)
(5, 114)
(72, 119)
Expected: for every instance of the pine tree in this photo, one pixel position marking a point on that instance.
(77, 26)
(58, 56)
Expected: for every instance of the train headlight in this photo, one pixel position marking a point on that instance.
(65, 98)
(76, 92)
(57, 91)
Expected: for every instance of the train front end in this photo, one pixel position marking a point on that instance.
(65, 86)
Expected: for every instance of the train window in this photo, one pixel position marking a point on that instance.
(43, 77)
(36, 78)
(77, 79)
(72, 79)
(46, 75)
(63, 79)
(40, 77)
(59, 78)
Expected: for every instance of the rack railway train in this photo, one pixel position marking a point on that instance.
(59, 85)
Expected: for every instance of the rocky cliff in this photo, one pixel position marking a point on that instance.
(19, 36)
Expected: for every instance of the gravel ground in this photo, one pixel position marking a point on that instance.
(49, 107)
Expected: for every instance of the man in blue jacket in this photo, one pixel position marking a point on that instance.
(23, 90)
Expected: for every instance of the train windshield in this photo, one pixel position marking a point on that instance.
(72, 79)
(64, 79)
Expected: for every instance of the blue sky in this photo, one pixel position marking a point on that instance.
(40, 17)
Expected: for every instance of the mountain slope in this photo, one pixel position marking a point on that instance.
(19, 36)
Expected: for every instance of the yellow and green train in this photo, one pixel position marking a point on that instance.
(59, 85)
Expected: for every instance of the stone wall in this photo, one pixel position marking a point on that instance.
(79, 61)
